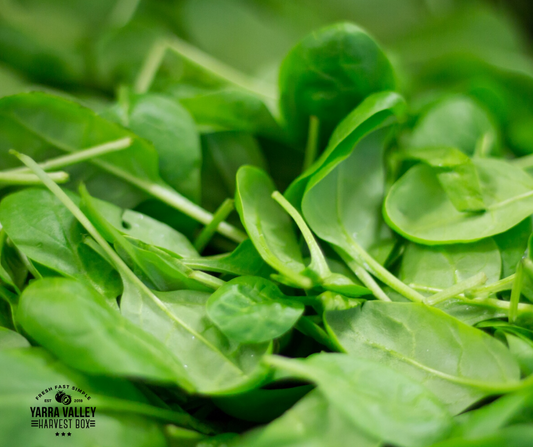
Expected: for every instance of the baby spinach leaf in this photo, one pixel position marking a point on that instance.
(231, 109)
(250, 309)
(342, 201)
(144, 228)
(11, 340)
(172, 131)
(317, 422)
(28, 371)
(268, 225)
(515, 436)
(374, 112)
(47, 233)
(512, 244)
(457, 121)
(13, 272)
(381, 402)
(215, 364)
(522, 349)
(327, 74)
(67, 318)
(418, 208)
(243, 261)
(442, 266)
(458, 363)
(456, 173)
(223, 154)
(39, 122)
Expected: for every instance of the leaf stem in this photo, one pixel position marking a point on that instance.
(150, 67)
(516, 291)
(15, 178)
(78, 157)
(307, 327)
(220, 70)
(363, 276)
(457, 289)
(381, 273)
(176, 200)
(318, 261)
(207, 280)
(210, 229)
(311, 149)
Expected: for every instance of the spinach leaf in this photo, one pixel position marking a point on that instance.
(418, 208)
(252, 310)
(230, 109)
(374, 112)
(215, 364)
(243, 261)
(124, 417)
(456, 173)
(268, 225)
(39, 122)
(318, 423)
(67, 318)
(442, 266)
(11, 340)
(458, 363)
(342, 201)
(47, 233)
(144, 228)
(512, 244)
(457, 121)
(381, 402)
(327, 74)
(172, 131)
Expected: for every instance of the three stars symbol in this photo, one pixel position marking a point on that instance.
(63, 434)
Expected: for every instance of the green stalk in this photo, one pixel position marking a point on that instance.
(221, 214)
(318, 262)
(457, 289)
(78, 157)
(381, 273)
(220, 70)
(150, 67)
(515, 292)
(363, 276)
(307, 327)
(207, 280)
(311, 149)
(15, 178)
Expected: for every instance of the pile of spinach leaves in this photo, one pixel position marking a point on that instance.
(344, 257)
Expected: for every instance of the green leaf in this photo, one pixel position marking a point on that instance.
(458, 363)
(231, 109)
(513, 244)
(374, 112)
(12, 340)
(327, 74)
(456, 173)
(68, 318)
(343, 200)
(457, 121)
(48, 234)
(143, 228)
(243, 261)
(312, 422)
(270, 228)
(418, 208)
(215, 364)
(381, 402)
(40, 124)
(172, 131)
(28, 372)
(252, 310)
(442, 266)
